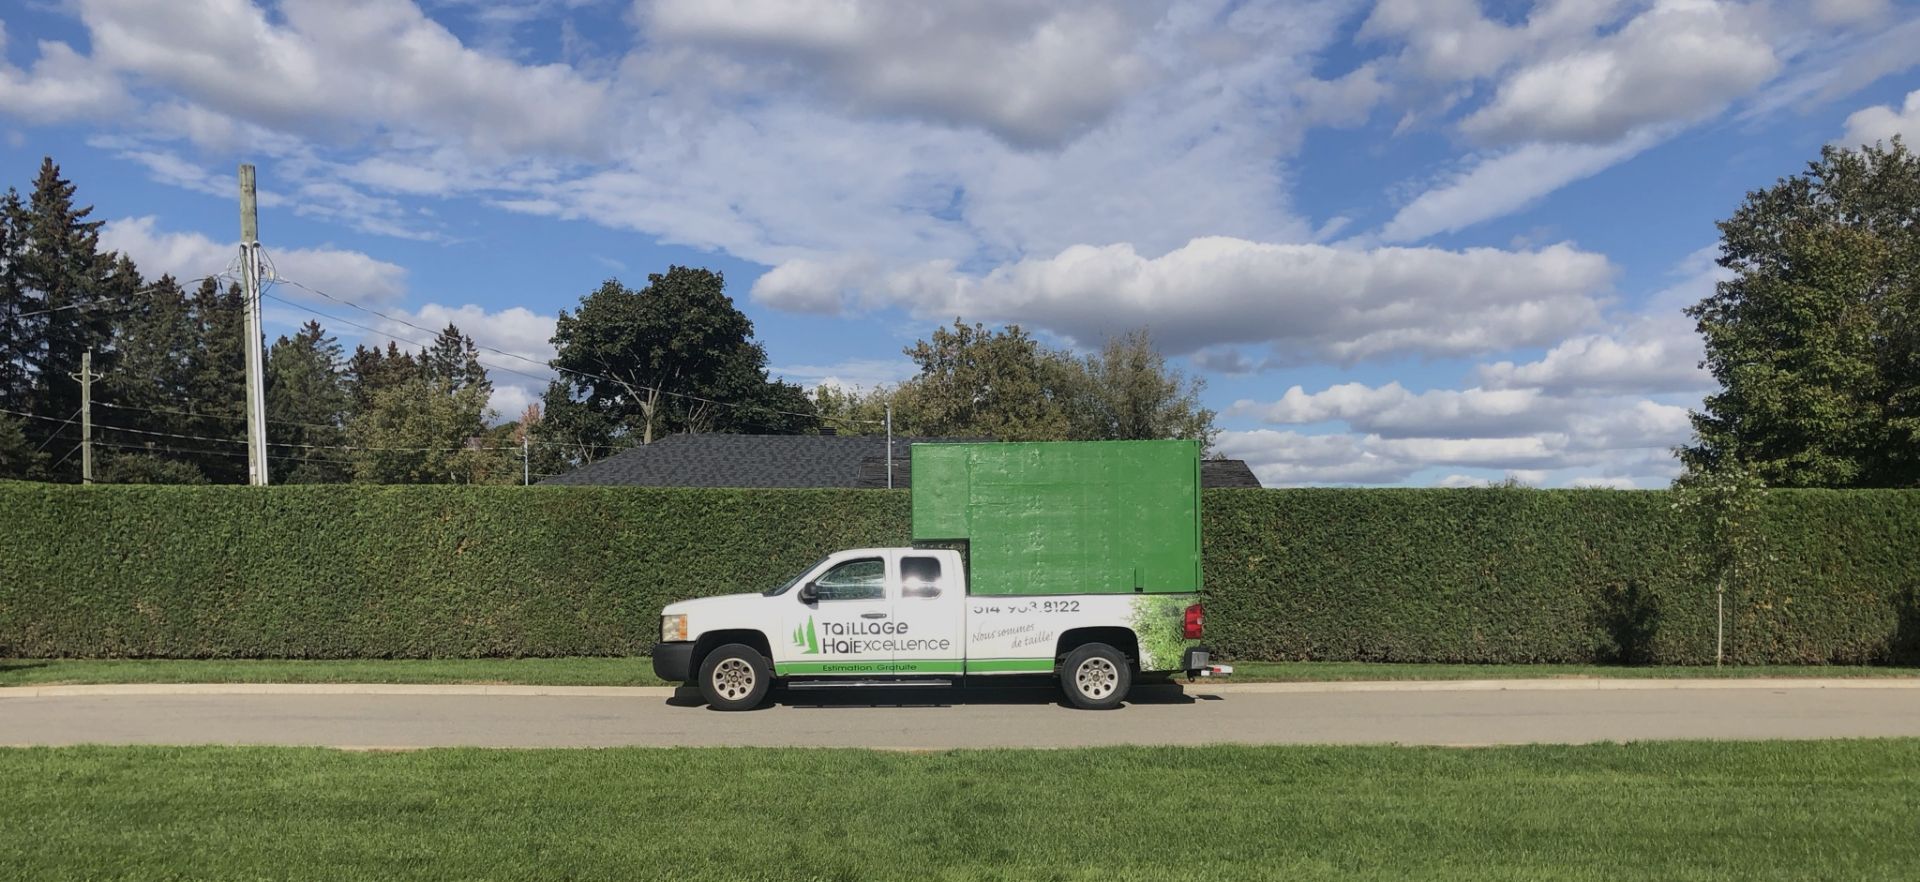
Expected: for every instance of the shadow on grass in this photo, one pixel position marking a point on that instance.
(7, 667)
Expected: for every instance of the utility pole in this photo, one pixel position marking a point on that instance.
(526, 460)
(889, 445)
(86, 376)
(256, 367)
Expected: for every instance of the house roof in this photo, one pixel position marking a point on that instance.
(716, 460)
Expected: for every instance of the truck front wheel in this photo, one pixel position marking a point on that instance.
(735, 677)
(1096, 677)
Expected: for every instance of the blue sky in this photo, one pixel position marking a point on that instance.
(1408, 242)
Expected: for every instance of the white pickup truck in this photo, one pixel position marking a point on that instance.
(903, 616)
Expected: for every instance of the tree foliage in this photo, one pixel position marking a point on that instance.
(307, 405)
(1816, 339)
(674, 356)
(1005, 385)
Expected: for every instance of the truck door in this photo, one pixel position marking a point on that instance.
(929, 618)
(843, 630)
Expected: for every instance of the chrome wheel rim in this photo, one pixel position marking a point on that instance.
(1097, 678)
(733, 679)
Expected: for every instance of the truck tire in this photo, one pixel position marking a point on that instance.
(1096, 677)
(735, 677)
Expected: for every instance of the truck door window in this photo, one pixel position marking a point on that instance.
(919, 577)
(863, 579)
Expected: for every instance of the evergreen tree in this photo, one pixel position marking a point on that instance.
(19, 458)
(62, 267)
(19, 338)
(454, 361)
(217, 381)
(150, 387)
(307, 403)
(371, 370)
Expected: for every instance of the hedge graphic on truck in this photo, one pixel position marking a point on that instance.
(805, 639)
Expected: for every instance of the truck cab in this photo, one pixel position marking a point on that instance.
(1085, 566)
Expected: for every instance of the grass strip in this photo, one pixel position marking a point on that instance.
(1666, 811)
(639, 671)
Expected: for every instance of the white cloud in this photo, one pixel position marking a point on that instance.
(1600, 483)
(855, 374)
(1308, 301)
(517, 330)
(1613, 438)
(1883, 122)
(62, 85)
(1653, 351)
(1036, 74)
(1393, 411)
(350, 274)
(1282, 459)
(1678, 61)
(1453, 40)
(1503, 183)
(1650, 354)
(377, 64)
(1851, 11)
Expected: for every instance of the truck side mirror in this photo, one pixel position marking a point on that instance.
(809, 594)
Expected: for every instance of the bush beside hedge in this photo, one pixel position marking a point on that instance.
(1397, 575)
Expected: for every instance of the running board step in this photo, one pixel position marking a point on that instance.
(836, 684)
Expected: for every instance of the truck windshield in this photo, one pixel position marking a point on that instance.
(796, 578)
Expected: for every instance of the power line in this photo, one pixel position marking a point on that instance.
(329, 426)
(346, 447)
(217, 416)
(150, 448)
(56, 433)
(86, 304)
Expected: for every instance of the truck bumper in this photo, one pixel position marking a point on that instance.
(673, 662)
(1191, 661)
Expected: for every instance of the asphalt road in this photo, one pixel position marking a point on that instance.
(1432, 713)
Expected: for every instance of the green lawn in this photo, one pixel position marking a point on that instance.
(1655, 811)
(639, 671)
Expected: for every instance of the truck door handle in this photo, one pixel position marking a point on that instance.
(873, 615)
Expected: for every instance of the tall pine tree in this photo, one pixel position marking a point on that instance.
(62, 268)
(307, 405)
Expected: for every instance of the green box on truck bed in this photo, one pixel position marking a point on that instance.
(1090, 517)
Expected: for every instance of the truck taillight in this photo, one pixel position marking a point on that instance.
(1195, 626)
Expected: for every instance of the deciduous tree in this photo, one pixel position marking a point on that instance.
(676, 355)
(1816, 338)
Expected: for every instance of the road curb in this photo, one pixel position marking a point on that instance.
(1556, 684)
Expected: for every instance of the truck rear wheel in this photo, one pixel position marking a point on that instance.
(1096, 677)
(735, 677)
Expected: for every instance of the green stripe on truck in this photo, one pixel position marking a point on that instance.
(926, 666)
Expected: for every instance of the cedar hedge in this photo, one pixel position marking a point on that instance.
(1493, 575)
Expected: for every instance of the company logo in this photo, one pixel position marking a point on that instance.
(804, 638)
(856, 638)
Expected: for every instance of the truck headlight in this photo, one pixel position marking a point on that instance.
(673, 629)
